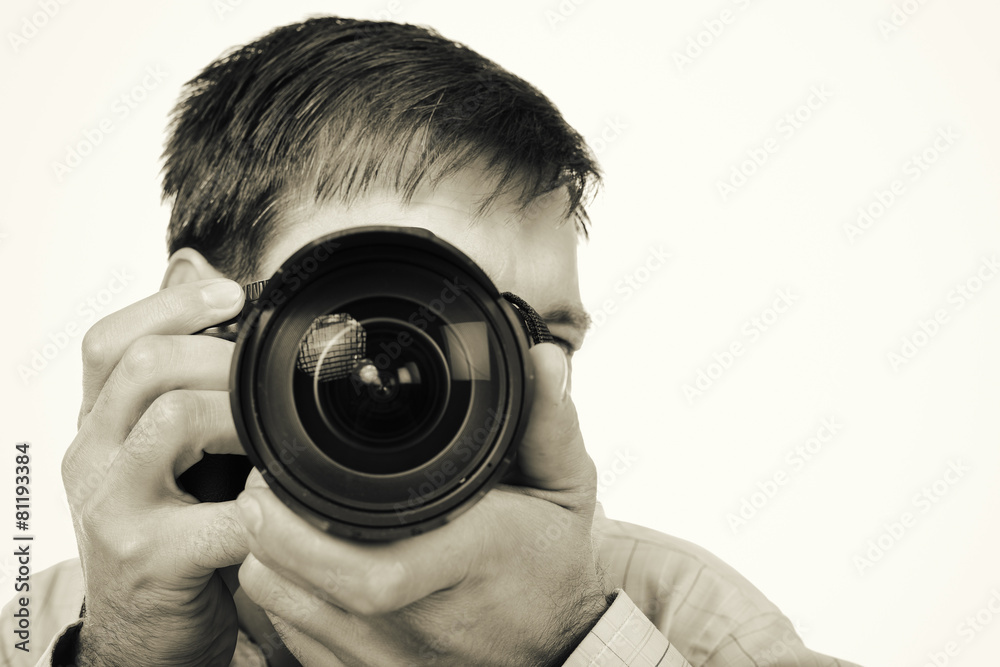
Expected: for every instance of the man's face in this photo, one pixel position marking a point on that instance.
(533, 255)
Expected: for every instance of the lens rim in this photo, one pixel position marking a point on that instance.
(348, 248)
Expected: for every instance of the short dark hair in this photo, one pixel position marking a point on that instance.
(330, 107)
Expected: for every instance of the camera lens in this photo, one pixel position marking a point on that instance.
(380, 382)
(386, 405)
(377, 394)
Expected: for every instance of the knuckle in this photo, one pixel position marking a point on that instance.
(130, 548)
(82, 476)
(144, 357)
(170, 408)
(169, 413)
(68, 466)
(393, 577)
(92, 516)
(73, 469)
(363, 605)
(377, 592)
(106, 538)
(95, 348)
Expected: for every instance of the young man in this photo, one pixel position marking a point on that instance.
(327, 125)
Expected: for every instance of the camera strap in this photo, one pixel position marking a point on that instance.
(538, 331)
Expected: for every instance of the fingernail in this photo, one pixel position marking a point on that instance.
(249, 510)
(221, 294)
(565, 380)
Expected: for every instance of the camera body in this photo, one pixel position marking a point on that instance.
(380, 383)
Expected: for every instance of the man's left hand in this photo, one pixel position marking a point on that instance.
(512, 581)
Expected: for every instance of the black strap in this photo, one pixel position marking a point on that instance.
(538, 331)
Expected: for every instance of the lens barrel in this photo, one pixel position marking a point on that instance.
(380, 382)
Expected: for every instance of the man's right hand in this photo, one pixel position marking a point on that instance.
(154, 400)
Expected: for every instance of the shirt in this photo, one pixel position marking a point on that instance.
(676, 605)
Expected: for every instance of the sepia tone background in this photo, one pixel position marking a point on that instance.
(793, 272)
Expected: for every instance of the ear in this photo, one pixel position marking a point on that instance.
(188, 265)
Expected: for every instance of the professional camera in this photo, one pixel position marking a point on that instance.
(380, 383)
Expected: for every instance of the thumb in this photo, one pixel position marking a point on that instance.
(551, 455)
(215, 535)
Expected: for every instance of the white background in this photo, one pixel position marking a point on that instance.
(671, 133)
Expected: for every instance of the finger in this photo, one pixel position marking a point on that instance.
(551, 455)
(172, 435)
(363, 579)
(213, 535)
(182, 309)
(151, 366)
(312, 628)
(309, 651)
(196, 539)
(279, 595)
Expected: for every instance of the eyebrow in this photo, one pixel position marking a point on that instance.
(573, 316)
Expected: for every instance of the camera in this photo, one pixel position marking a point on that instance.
(380, 383)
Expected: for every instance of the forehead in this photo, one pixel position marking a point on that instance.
(532, 253)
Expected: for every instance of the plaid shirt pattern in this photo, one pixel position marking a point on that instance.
(676, 606)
